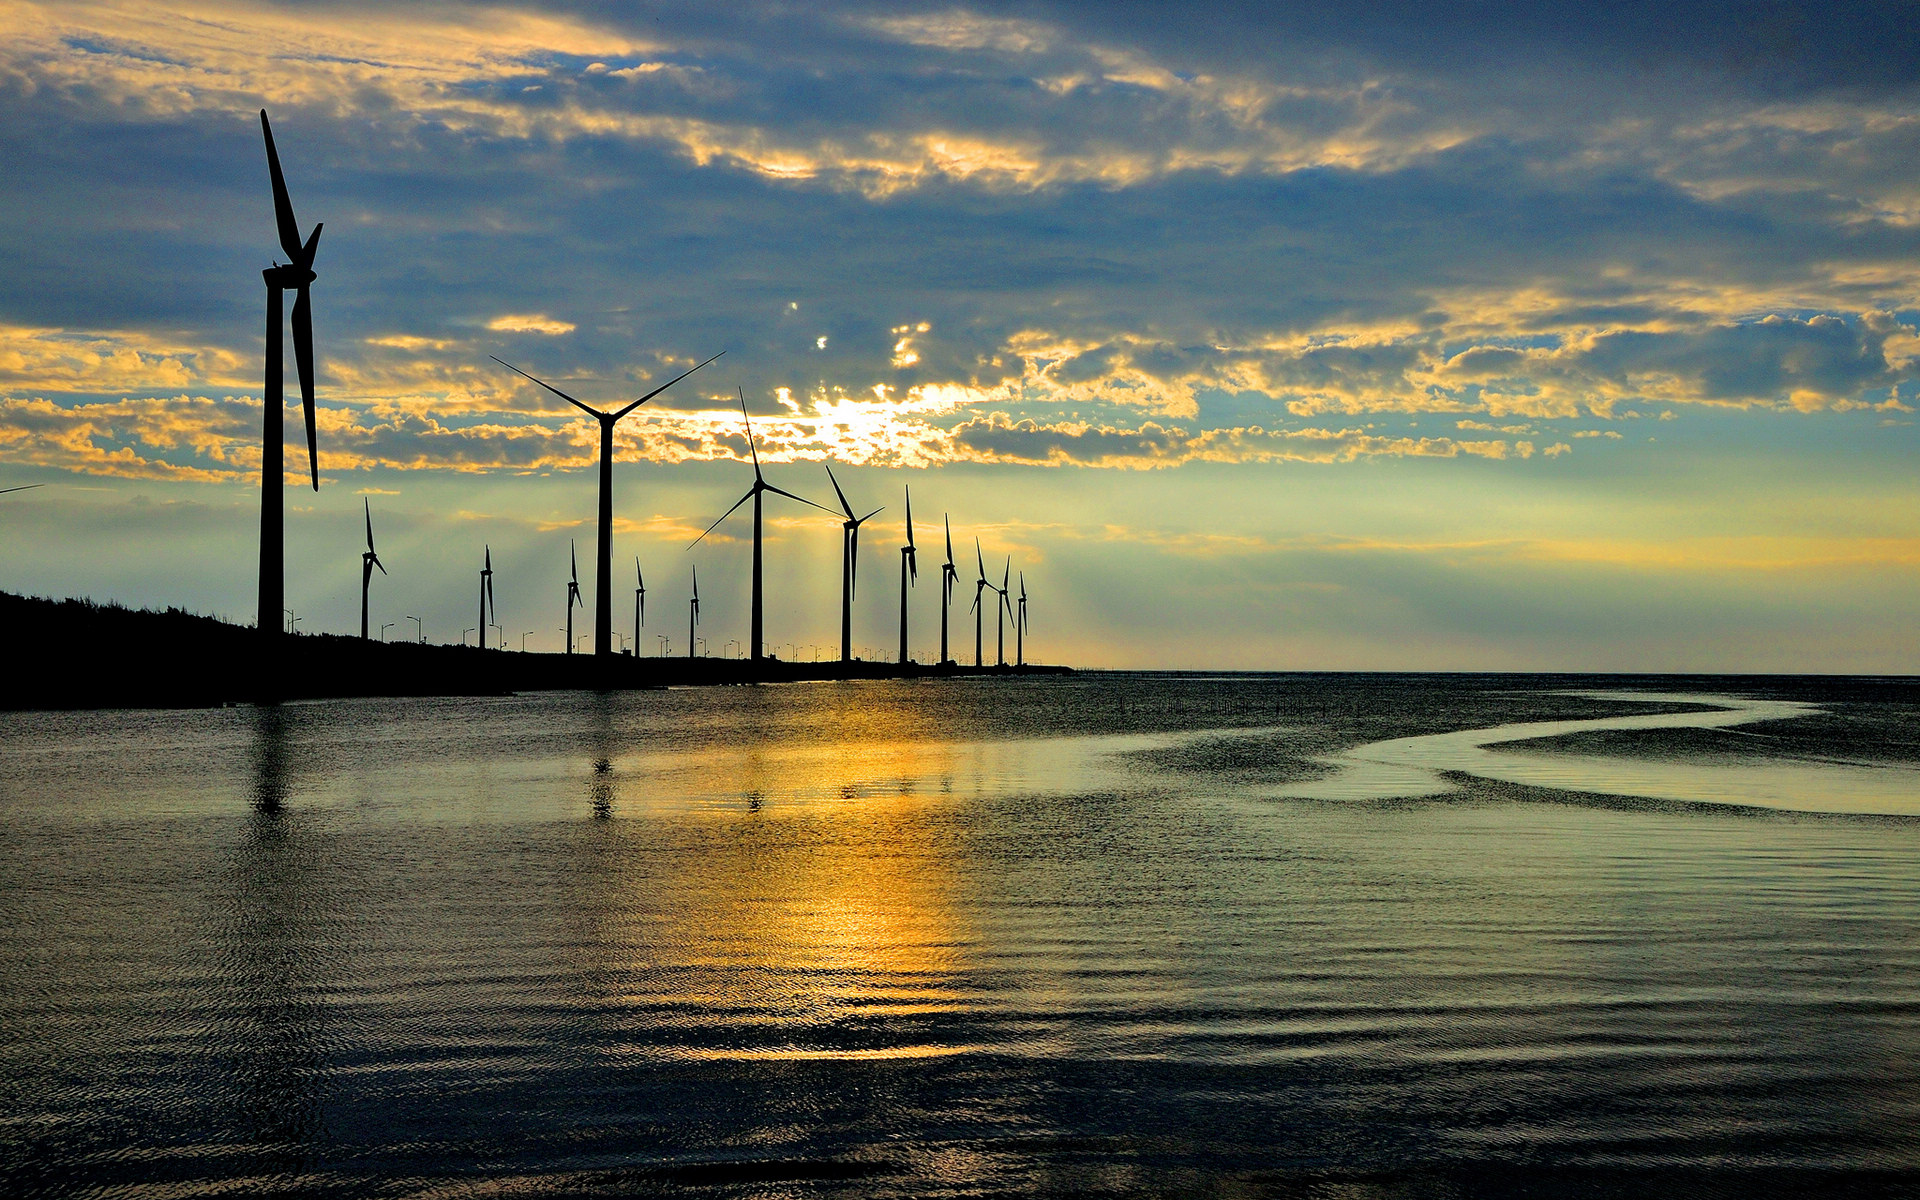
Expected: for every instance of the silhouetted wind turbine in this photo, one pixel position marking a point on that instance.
(603, 583)
(753, 493)
(486, 596)
(949, 575)
(295, 275)
(978, 585)
(573, 592)
(368, 561)
(639, 605)
(909, 575)
(1020, 626)
(693, 617)
(1001, 613)
(849, 566)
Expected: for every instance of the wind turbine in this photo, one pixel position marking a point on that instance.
(639, 605)
(486, 597)
(978, 585)
(1002, 612)
(693, 617)
(603, 585)
(1020, 626)
(909, 575)
(368, 561)
(949, 575)
(849, 566)
(753, 493)
(573, 593)
(295, 276)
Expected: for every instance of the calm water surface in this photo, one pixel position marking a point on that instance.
(1262, 935)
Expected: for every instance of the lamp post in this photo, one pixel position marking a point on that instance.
(523, 640)
(503, 635)
(463, 635)
(385, 627)
(419, 630)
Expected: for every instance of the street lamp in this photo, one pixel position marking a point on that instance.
(503, 635)
(384, 628)
(463, 635)
(523, 640)
(288, 613)
(419, 630)
(703, 646)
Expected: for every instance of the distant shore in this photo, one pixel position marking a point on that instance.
(107, 656)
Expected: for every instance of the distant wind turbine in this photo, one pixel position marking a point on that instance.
(293, 276)
(849, 566)
(486, 596)
(1001, 613)
(368, 561)
(573, 592)
(949, 576)
(1020, 626)
(909, 575)
(603, 584)
(639, 605)
(760, 485)
(979, 585)
(693, 617)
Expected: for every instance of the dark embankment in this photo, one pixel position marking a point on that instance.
(86, 655)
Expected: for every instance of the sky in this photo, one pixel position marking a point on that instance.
(1258, 336)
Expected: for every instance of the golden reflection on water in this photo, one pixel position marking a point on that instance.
(819, 911)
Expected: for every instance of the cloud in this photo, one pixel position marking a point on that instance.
(527, 323)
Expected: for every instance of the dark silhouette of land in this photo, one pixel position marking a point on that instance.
(107, 656)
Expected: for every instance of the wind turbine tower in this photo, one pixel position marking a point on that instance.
(368, 561)
(849, 566)
(979, 585)
(573, 592)
(486, 596)
(294, 276)
(949, 576)
(909, 575)
(693, 617)
(603, 585)
(1001, 612)
(1020, 626)
(639, 605)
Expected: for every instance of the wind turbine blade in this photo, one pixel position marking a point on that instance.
(573, 556)
(749, 420)
(639, 580)
(853, 562)
(716, 524)
(303, 359)
(949, 522)
(802, 499)
(543, 383)
(909, 518)
(378, 563)
(282, 205)
(841, 494)
(863, 520)
(980, 564)
(489, 562)
(663, 387)
(368, 505)
(25, 487)
(312, 247)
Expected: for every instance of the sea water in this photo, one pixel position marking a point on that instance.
(1121, 934)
